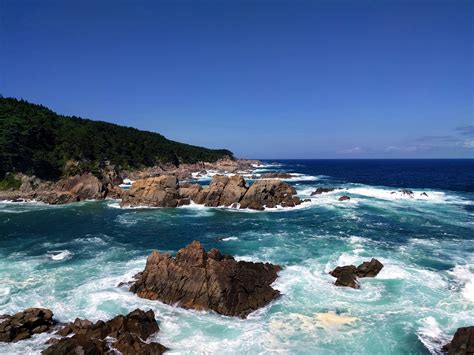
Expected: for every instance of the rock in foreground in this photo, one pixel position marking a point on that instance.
(207, 281)
(24, 324)
(462, 343)
(347, 275)
(126, 334)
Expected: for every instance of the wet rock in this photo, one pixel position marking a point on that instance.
(462, 342)
(344, 198)
(159, 191)
(424, 194)
(269, 193)
(321, 190)
(24, 324)
(130, 331)
(275, 175)
(347, 275)
(207, 281)
(347, 279)
(369, 268)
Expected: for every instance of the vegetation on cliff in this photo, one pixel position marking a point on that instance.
(36, 140)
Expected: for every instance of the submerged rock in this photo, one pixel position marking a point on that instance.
(124, 333)
(24, 324)
(321, 190)
(347, 275)
(207, 281)
(462, 343)
(344, 198)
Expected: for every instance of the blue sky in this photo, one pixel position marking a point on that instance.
(266, 79)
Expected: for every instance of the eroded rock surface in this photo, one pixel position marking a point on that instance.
(24, 324)
(207, 281)
(124, 333)
(159, 191)
(269, 193)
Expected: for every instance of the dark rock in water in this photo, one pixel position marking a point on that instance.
(340, 269)
(369, 268)
(462, 343)
(347, 275)
(424, 194)
(407, 193)
(344, 198)
(269, 194)
(130, 331)
(347, 279)
(321, 190)
(131, 344)
(207, 281)
(24, 324)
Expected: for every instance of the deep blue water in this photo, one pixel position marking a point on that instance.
(71, 258)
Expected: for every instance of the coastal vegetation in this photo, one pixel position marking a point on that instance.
(37, 141)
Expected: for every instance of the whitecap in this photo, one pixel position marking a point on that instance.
(59, 255)
(464, 275)
(431, 335)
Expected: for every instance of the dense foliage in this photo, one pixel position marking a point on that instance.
(35, 140)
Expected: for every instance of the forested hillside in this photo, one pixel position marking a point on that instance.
(35, 140)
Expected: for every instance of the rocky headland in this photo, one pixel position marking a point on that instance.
(196, 279)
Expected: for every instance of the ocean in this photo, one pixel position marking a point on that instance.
(71, 259)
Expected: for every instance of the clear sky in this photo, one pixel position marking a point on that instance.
(266, 79)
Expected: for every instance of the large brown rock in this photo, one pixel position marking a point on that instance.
(462, 343)
(130, 332)
(24, 324)
(158, 191)
(269, 193)
(225, 191)
(207, 281)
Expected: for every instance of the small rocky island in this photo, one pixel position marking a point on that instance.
(347, 275)
(196, 279)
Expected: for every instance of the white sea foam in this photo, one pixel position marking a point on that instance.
(59, 255)
(431, 335)
(464, 275)
(227, 239)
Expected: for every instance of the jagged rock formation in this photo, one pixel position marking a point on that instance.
(347, 275)
(159, 191)
(207, 281)
(126, 334)
(24, 324)
(462, 343)
(165, 191)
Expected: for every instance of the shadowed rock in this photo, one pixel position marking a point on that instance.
(321, 190)
(207, 281)
(24, 324)
(347, 275)
(344, 198)
(124, 333)
(462, 343)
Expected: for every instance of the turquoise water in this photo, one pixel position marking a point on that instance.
(71, 258)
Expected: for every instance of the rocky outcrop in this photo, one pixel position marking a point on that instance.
(269, 193)
(344, 198)
(347, 275)
(24, 324)
(126, 334)
(321, 190)
(462, 343)
(207, 281)
(225, 191)
(159, 191)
